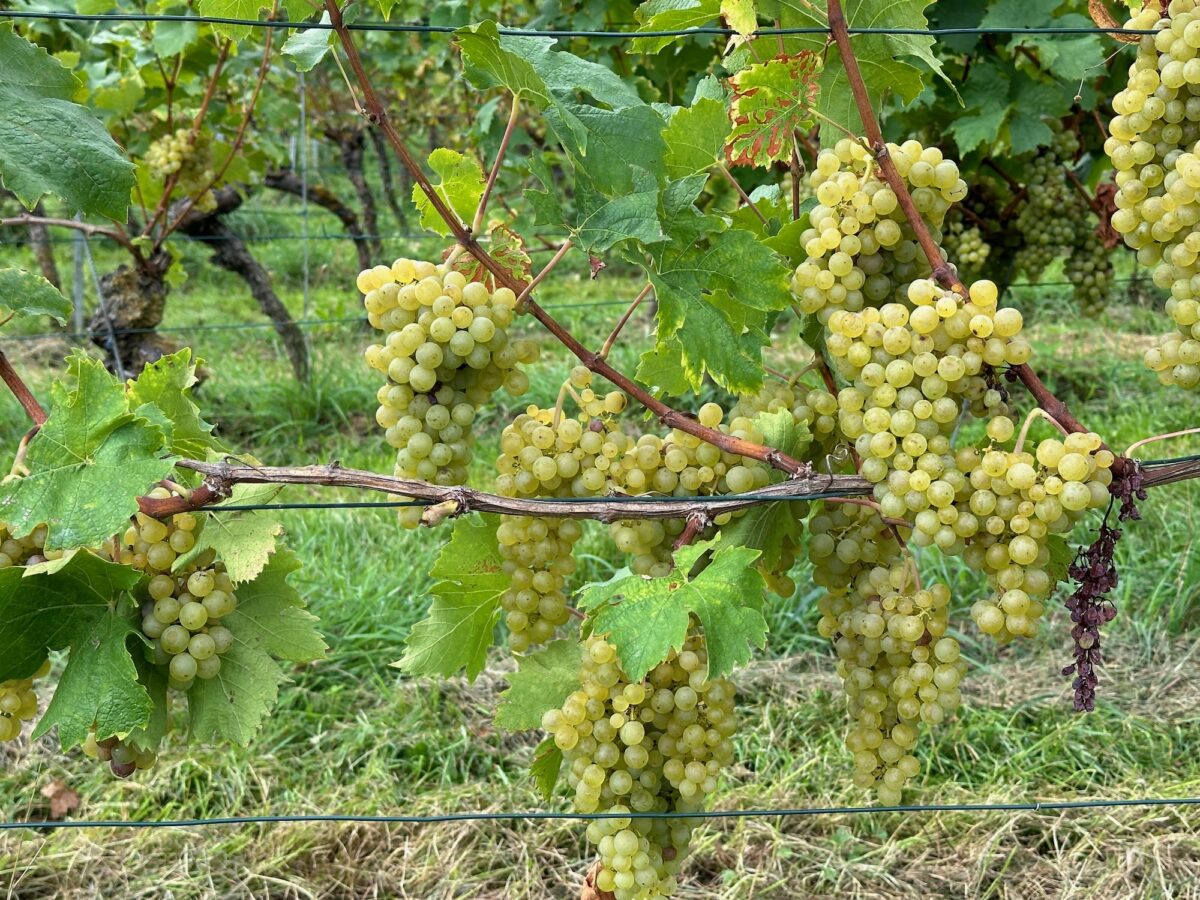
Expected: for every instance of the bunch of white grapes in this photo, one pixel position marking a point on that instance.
(654, 745)
(1152, 144)
(187, 156)
(860, 249)
(446, 351)
(184, 608)
(545, 453)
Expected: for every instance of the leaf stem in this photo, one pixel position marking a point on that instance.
(625, 316)
(481, 210)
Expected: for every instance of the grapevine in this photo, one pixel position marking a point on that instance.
(885, 424)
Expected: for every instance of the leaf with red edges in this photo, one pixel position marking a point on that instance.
(507, 248)
(770, 101)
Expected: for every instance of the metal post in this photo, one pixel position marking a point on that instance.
(304, 190)
(77, 286)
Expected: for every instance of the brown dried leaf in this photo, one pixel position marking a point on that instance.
(590, 891)
(63, 800)
(596, 264)
(1104, 19)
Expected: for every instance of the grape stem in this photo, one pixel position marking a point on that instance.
(481, 210)
(1158, 437)
(741, 192)
(625, 316)
(692, 529)
(943, 273)
(669, 417)
(113, 234)
(21, 391)
(1036, 413)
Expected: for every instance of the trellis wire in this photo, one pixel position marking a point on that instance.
(550, 815)
(421, 28)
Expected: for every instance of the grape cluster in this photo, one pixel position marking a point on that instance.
(1089, 268)
(966, 247)
(184, 609)
(123, 757)
(545, 453)
(446, 351)
(860, 249)
(898, 667)
(19, 703)
(187, 156)
(1052, 211)
(1018, 500)
(654, 745)
(910, 371)
(27, 551)
(1152, 146)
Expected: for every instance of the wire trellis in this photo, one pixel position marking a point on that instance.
(621, 34)
(552, 815)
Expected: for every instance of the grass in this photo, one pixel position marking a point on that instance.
(352, 735)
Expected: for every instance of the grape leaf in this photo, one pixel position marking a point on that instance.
(542, 682)
(50, 144)
(26, 294)
(646, 618)
(81, 605)
(769, 527)
(167, 384)
(309, 46)
(154, 679)
(233, 9)
(741, 16)
(671, 15)
(270, 621)
(232, 705)
(661, 367)
(771, 100)
(713, 285)
(986, 98)
(460, 185)
(243, 541)
(880, 56)
(603, 221)
(457, 631)
(88, 464)
(271, 614)
(546, 766)
(1061, 557)
(506, 247)
(695, 137)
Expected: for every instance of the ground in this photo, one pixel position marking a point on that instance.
(353, 735)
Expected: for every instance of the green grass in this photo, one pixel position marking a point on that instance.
(353, 735)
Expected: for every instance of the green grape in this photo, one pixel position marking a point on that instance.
(183, 610)
(900, 671)
(446, 351)
(19, 703)
(545, 453)
(124, 758)
(860, 247)
(188, 158)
